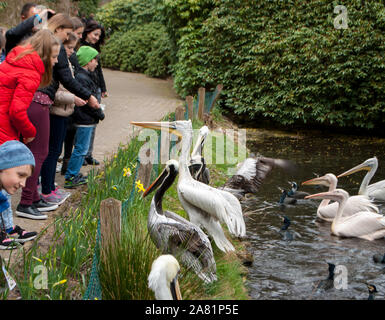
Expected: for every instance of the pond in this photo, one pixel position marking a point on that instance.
(292, 269)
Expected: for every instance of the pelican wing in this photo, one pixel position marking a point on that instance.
(377, 190)
(366, 225)
(218, 205)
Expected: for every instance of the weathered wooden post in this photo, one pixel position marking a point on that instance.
(110, 225)
(201, 102)
(190, 106)
(144, 171)
(179, 113)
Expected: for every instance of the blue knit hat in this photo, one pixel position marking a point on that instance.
(14, 154)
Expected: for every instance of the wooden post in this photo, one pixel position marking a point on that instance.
(110, 224)
(190, 106)
(201, 102)
(144, 172)
(179, 113)
(218, 91)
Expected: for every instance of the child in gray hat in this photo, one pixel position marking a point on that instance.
(16, 165)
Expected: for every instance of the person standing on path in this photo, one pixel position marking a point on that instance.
(31, 204)
(93, 36)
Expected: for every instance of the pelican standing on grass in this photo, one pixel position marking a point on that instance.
(206, 206)
(197, 167)
(363, 224)
(327, 211)
(375, 190)
(173, 234)
(163, 278)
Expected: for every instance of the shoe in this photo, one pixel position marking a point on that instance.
(7, 243)
(92, 161)
(55, 198)
(29, 212)
(62, 193)
(20, 235)
(64, 166)
(44, 206)
(58, 167)
(75, 181)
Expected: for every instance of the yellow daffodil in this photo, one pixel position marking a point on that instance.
(37, 259)
(127, 172)
(115, 188)
(59, 282)
(139, 186)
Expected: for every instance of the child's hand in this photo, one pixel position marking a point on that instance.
(28, 140)
(93, 103)
(104, 95)
(79, 102)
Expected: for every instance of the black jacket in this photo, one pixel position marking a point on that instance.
(19, 33)
(86, 115)
(97, 75)
(62, 73)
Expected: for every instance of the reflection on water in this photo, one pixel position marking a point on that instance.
(291, 270)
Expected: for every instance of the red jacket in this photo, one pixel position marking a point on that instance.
(18, 82)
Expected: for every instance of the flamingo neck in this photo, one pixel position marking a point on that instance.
(366, 180)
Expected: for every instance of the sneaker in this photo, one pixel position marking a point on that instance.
(29, 212)
(7, 243)
(58, 167)
(75, 181)
(62, 193)
(91, 160)
(53, 198)
(44, 206)
(20, 235)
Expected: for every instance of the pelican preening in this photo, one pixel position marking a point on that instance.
(205, 205)
(363, 224)
(294, 193)
(327, 211)
(375, 190)
(163, 278)
(175, 235)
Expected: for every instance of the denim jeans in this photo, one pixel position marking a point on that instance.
(82, 143)
(7, 214)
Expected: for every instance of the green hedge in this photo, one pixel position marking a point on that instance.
(143, 49)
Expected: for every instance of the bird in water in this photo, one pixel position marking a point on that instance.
(376, 190)
(294, 193)
(328, 283)
(372, 291)
(286, 234)
(206, 206)
(163, 278)
(327, 211)
(285, 200)
(379, 258)
(175, 235)
(363, 224)
(197, 167)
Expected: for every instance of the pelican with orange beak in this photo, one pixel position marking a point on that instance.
(376, 190)
(327, 211)
(206, 206)
(363, 224)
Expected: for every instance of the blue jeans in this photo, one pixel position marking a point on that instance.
(82, 143)
(7, 214)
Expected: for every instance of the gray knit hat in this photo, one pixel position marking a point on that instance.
(14, 154)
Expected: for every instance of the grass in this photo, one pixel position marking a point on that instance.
(124, 268)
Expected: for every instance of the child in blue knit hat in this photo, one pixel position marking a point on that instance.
(16, 165)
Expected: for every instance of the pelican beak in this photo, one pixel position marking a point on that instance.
(163, 125)
(362, 166)
(157, 182)
(199, 146)
(321, 195)
(315, 181)
(175, 290)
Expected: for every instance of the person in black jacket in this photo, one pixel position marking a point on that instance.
(85, 118)
(93, 36)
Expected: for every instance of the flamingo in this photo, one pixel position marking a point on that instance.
(363, 224)
(327, 211)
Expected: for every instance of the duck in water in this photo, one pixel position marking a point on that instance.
(378, 258)
(328, 283)
(287, 235)
(372, 291)
(294, 193)
(284, 200)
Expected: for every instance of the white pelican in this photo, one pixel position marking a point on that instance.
(197, 167)
(375, 190)
(327, 211)
(205, 205)
(251, 173)
(163, 278)
(363, 224)
(173, 234)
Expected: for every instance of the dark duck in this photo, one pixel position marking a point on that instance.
(294, 193)
(328, 283)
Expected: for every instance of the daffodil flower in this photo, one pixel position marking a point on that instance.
(127, 172)
(115, 188)
(139, 185)
(37, 259)
(59, 282)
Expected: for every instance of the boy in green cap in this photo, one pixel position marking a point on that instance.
(85, 118)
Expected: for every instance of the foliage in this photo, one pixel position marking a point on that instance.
(87, 7)
(143, 49)
(284, 60)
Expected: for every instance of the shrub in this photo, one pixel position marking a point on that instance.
(142, 49)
